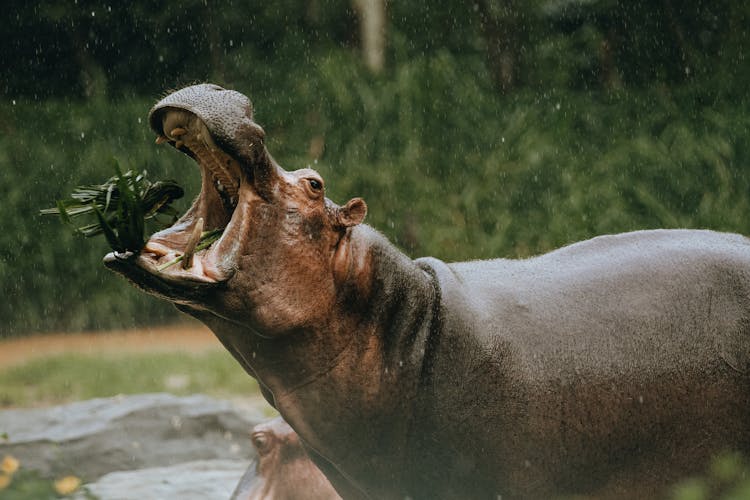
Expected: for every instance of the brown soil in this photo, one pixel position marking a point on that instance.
(188, 337)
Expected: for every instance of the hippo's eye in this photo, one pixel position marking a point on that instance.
(315, 184)
(261, 442)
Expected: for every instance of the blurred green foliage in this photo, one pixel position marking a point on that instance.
(728, 478)
(623, 116)
(29, 485)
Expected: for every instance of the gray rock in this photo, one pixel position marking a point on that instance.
(91, 438)
(199, 480)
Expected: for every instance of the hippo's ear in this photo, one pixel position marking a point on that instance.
(352, 213)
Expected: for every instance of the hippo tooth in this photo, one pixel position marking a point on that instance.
(161, 139)
(213, 161)
(195, 236)
(179, 144)
(177, 132)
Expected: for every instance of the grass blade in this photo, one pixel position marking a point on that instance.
(121, 206)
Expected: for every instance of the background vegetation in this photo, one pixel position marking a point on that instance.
(78, 377)
(492, 128)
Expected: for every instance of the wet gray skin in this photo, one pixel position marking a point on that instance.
(609, 368)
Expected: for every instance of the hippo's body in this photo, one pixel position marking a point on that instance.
(608, 368)
(604, 367)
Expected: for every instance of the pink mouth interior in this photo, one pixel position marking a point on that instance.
(224, 187)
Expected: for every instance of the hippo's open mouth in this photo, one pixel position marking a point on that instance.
(225, 143)
(222, 180)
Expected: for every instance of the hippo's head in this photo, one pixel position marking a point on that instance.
(283, 469)
(284, 244)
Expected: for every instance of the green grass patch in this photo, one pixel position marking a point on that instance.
(27, 485)
(73, 377)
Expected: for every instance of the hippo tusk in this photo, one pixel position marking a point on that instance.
(177, 132)
(195, 236)
(161, 139)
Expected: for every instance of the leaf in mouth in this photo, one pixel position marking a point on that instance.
(120, 207)
(206, 240)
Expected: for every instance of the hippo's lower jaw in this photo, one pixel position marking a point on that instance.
(225, 185)
(154, 284)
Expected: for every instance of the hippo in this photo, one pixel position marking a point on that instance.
(283, 470)
(609, 368)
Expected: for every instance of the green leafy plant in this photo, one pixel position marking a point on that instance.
(120, 207)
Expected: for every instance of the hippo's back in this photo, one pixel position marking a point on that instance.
(676, 296)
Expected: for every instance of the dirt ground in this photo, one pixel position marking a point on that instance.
(188, 337)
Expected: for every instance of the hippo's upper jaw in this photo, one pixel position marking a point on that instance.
(280, 236)
(214, 127)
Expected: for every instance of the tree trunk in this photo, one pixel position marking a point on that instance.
(215, 51)
(91, 75)
(372, 32)
(501, 30)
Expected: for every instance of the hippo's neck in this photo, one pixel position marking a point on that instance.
(379, 321)
(377, 372)
(371, 354)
